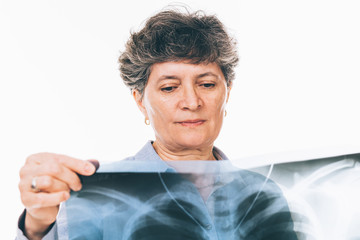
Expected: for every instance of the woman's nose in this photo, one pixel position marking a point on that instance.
(190, 99)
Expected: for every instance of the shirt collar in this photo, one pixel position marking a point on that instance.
(148, 153)
(147, 160)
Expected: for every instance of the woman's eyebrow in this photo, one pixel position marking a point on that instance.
(169, 77)
(165, 77)
(207, 74)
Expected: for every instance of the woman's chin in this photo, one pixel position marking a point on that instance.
(193, 141)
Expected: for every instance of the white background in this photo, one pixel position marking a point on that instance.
(297, 85)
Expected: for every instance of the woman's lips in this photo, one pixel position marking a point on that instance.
(191, 123)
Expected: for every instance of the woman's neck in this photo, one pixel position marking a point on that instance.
(166, 153)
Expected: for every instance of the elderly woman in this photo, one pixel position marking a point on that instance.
(180, 69)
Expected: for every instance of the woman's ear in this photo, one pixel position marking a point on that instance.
(228, 92)
(138, 97)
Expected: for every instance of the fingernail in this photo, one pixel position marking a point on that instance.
(78, 188)
(95, 163)
(89, 168)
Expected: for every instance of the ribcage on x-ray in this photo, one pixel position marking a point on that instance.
(164, 221)
(258, 211)
(173, 209)
(252, 212)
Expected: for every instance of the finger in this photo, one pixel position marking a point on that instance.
(41, 200)
(95, 163)
(56, 165)
(50, 184)
(61, 173)
(79, 166)
(44, 184)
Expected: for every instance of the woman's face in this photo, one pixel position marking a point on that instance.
(185, 103)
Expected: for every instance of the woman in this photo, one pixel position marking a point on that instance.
(180, 69)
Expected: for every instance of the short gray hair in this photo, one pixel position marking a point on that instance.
(172, 35)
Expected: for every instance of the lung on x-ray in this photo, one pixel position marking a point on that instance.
(311, 199)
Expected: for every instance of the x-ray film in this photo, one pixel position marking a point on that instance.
(323, 195)
(313, 199)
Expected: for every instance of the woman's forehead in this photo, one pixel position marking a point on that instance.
(173, 70)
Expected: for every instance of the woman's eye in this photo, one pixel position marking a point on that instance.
(208, 85)
(168, 89)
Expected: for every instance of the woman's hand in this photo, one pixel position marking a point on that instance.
(45, 181)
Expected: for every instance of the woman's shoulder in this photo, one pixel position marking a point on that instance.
(145, 160)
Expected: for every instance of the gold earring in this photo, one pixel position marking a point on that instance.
(147, 121)
(225, 113)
